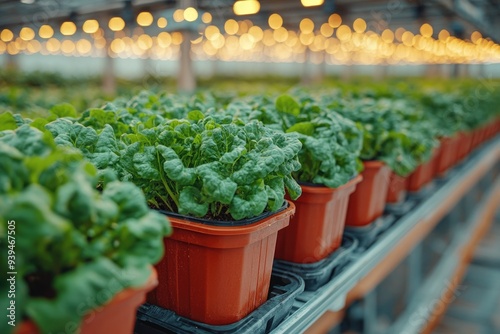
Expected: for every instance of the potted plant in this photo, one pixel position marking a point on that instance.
(81, 261)
(330, 147)
(222, 184)
(390, 143)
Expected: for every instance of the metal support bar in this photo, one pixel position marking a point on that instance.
(370, 313)
(186, 81)
(414, 270)
(433, 297)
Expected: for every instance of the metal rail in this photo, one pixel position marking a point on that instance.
(309, 306)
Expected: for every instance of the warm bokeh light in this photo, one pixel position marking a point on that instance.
(475, 36)
(359, 25)
(53, 45)
(275, 21)
(306, 25)
(178, 15)
(211, 32)
(344, 32)
(190, 14)
(256, 32)
(311, 3)
(335, 20)
(6, 35)
(387, 36)
(246, 40)
(145, 19)
(398, 34)
(164, 39)
(326, 30)
(145, 42)
(90, 26)
(26, 34)
(246, 7)
(67, 46)
(45, 31)
(206, 18)
(177, 38)
(68, 28)
(426, 30)
(83, 46)
(443, 35)
(231, 27)
(280, 35)
(407, 38)
(116, 24)
(162, 22)
(117, 46)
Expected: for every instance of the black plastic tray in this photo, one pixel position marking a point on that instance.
(318, 273)
(426, 191)
(152, 319)
(400, 209)
(366, 235)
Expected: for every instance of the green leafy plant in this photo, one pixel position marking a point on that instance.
(393, 131)
(330, 143)
(76, 247)
(212, 167)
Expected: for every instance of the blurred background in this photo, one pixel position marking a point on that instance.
(187, 43)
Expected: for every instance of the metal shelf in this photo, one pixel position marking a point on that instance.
(392, 246)
(447, 273)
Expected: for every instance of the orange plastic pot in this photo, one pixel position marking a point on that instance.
(397, 188)
(117, 316)
(367, 202)
(470, 140)
(316, 229)
(423, 174)
(217, 274)
(494, 128)
(489, 130)
(464, 146)
(457, 141)
(482, 134)
(446, 155)
(474, 138)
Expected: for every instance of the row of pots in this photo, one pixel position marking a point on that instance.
(451, 151)
(219, 274)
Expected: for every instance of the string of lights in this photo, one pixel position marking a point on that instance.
(332, 42)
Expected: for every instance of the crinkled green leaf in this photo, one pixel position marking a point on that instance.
(286, 104)
(191, 202)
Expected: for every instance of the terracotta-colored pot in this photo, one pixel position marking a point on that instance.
(446, 155)
(316, 229)
(397, 188)
(217, 274)
(368, 200)
(475, 138)
(470, 140)
(464, 146)
(424, 173)
(481, 134)
(117, 316)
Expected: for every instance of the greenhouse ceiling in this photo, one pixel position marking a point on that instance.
(460, 17)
